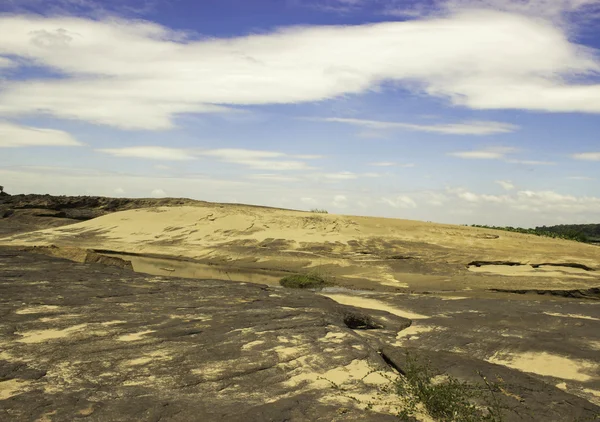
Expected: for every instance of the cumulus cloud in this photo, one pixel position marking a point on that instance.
(15, 136)
(532, 201)
(158, 193)
(140, 75)
(462, 128)
(506, 185)
(587, 156)
(339, 201)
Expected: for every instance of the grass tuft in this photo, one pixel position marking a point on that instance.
(303, 281)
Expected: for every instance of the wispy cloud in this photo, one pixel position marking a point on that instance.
(581, 178)
(259, 160)
(255, 159)
(15, 136)
(461, 128)
(391, 164)
(400, 201)
(531, 162)
(532, 66)
(492, 153)
(150, 153)
(547, 9)
(587, 156)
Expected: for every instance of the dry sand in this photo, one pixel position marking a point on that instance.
(390, 253)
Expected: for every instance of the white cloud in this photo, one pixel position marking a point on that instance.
(273, 177)
(119, 191)
(139, 75)
(150, 153)
(532, 201)
(391, 164)
(401, 201)
(158, 193)
(260, 160)
(580, 178)
(462, 128)
(15, 136)
(309, 201)
(342, 175)
(339, 201)
(255, 159)
(493, 153)
(506, 185)
(587, 156)
(531, 162)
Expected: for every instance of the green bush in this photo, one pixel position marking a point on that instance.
(303, 281)
(319, 211)
(449, 400)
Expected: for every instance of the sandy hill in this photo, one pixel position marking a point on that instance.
(355, 250)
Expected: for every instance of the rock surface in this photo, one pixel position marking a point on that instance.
(103, 343)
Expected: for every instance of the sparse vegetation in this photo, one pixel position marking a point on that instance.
(303, 281)
(446, 398)
(319, 211)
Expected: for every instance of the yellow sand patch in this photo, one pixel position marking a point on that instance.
(332, 337)
(594, 344)
(361, 302)
(252, 344)
(59, 318)
(147, 358)
(352, 372)
(12, 388)
(286, 353)
(134, 336)
(546, 364)
(111, 323)
(578, 316)
(529, 271)
(40, 336)
(412, 333)
(38, 309)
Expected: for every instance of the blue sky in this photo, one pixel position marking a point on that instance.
(458, 111)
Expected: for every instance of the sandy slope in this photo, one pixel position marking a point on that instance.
(391, 252)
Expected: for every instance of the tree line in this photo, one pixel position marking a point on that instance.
(587, 233)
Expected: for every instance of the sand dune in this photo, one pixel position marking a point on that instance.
(384, 251)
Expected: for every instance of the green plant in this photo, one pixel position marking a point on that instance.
(319, 211)
(445, 398)
(303, 281)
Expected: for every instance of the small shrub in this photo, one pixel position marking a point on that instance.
(303, 281)
(319, 211)
(449, 400)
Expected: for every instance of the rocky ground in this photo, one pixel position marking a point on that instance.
(101, 342)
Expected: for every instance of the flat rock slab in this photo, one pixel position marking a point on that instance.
(101, 343)
(86, 341)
